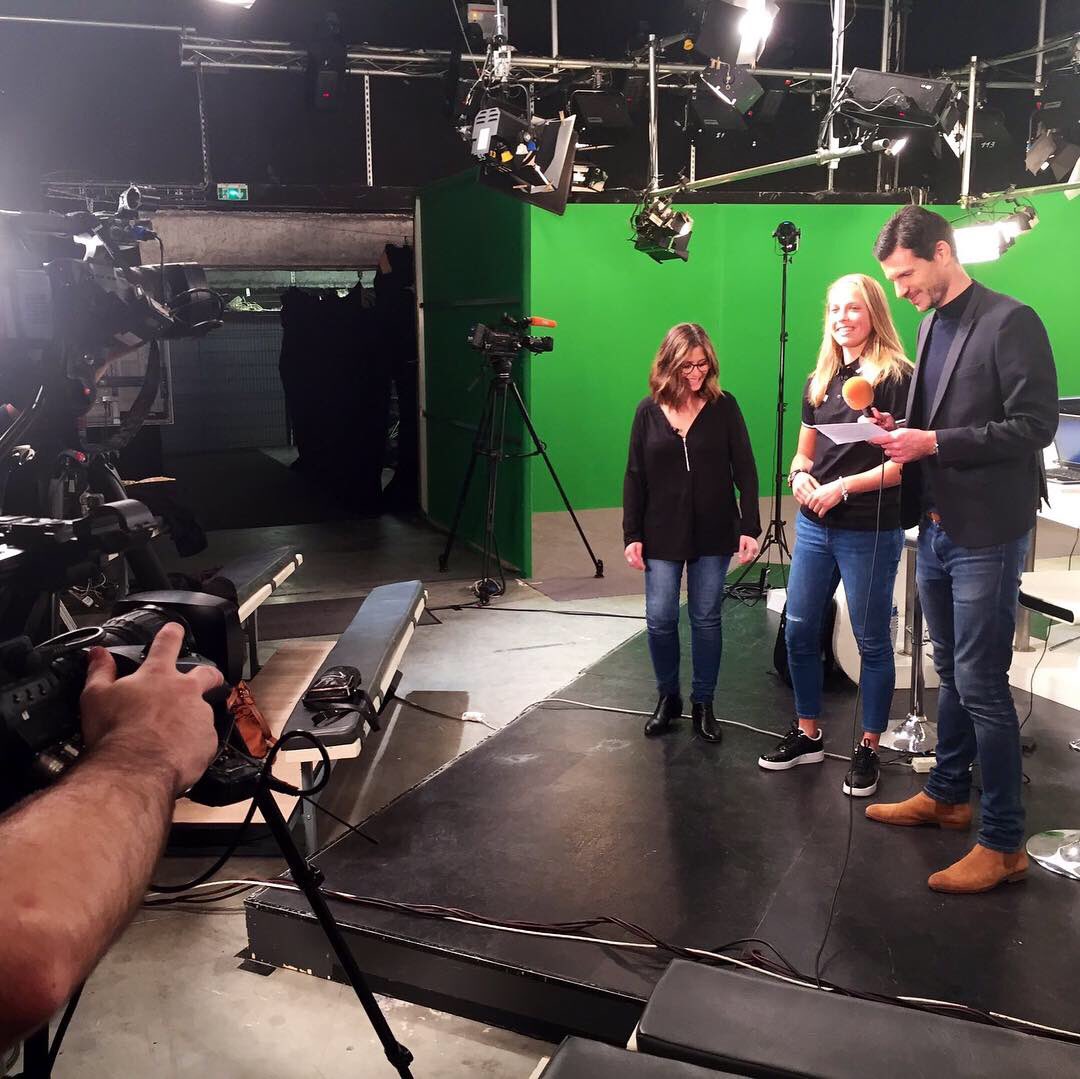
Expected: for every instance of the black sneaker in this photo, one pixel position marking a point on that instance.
(795, 748)
(862, 778)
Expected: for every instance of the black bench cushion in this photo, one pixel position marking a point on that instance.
(370, 644)
(578, 1058)
(759, 1026)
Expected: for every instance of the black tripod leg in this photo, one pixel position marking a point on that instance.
(36, 1056)
(482, 438)
(598, 565)
(487, 587)
(308, 880)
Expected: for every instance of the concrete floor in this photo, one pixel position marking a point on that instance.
(170, 1000)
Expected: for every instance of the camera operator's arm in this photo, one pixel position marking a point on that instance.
(76, 859)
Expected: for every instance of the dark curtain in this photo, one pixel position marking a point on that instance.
(341, 358)
(337, 390)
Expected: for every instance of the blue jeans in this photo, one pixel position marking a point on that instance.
(705, 578)
(969, 598)
(823, 557)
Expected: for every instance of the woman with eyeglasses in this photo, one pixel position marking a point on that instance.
(689, 453)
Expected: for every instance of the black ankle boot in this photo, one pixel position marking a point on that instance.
(706, 725)
(667, 708)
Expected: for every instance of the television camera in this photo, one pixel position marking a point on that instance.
(64, 313)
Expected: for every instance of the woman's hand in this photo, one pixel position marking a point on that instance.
(748, 549)
(634, 558)
(825, 497)
(803, 487)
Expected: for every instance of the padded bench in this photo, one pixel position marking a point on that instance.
(248, 582)
(757, 1026)
(373, 643)
(578, 1058)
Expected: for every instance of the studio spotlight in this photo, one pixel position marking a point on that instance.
(980, 243)
(723, 97)
(986, 242)
(733, 31)
(588, 178)
(662, 232)
(896, 147)
(1016, 224)
(1052, 154)
(530, 159)
(1074, 178)
(245, 4)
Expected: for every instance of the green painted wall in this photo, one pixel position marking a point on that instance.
(614, 305)
(475, 246)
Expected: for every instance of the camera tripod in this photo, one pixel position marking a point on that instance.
(39, 1056)
(490, 442)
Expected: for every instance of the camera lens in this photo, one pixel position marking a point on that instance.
(141, 626)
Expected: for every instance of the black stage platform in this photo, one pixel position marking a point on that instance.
(569, 813)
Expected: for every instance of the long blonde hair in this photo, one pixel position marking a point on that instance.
(883, 355)
(666, 382)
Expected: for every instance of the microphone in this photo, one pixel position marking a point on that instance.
(858, 394)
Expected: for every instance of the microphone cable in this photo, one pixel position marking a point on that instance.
(854, 731)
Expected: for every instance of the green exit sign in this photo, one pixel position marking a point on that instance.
(232, 192)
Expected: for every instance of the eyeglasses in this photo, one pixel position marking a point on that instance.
(690, 368)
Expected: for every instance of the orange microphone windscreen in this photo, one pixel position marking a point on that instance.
(858, 393)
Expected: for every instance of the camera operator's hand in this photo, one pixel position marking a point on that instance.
(157, 713)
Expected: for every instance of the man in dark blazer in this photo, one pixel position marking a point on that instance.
(982, 405)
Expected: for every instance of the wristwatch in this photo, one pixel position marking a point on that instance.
(792, 474)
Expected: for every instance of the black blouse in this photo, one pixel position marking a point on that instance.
(679, 493)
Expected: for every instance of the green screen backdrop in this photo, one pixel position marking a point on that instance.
(614, 305)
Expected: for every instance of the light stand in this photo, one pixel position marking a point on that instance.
(787, 238)
(915, 734)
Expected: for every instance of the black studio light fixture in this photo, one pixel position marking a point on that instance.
(662, 232)
(1051, 154)
(733, 32)
(724, 97)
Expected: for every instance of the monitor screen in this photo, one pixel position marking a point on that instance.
(1067, 440)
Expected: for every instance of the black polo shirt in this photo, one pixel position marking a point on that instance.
(860, 511)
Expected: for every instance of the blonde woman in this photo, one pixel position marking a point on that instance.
(848, 528)
(689, 451)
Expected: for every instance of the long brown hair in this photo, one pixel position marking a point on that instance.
(666, 383)
(883, 355)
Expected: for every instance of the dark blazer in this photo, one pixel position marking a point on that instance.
(995, 409)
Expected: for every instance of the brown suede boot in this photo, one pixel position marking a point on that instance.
(922, 809)
(980, 870)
